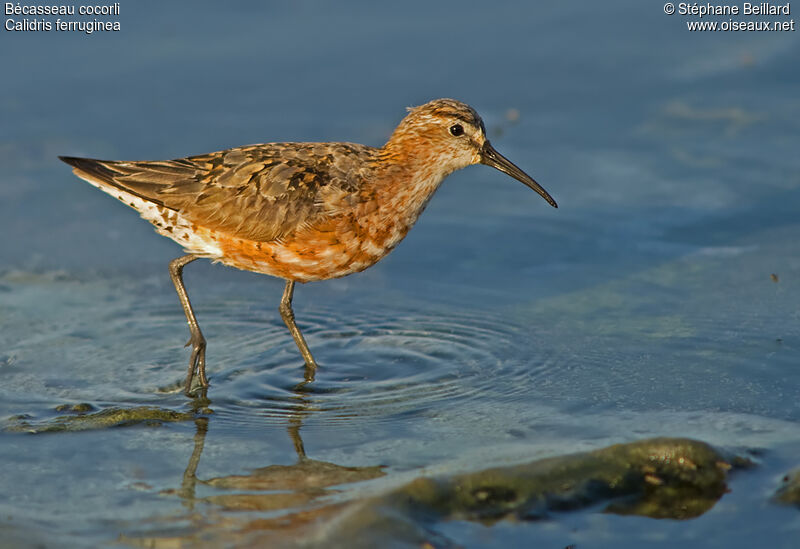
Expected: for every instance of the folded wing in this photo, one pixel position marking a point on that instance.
(258, 192)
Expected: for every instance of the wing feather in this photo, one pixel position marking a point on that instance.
(258, 192)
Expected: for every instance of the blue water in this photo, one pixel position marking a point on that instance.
(499, 330)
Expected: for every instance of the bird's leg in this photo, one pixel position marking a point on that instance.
(288, 317)
(197, 362)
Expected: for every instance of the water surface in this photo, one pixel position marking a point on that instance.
(500, 331)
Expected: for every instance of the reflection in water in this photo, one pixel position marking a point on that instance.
(282, 486)
(658, 478)
(187, 491)
(302, 409)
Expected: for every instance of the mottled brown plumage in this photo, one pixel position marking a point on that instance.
(258, 192)
(299, 211)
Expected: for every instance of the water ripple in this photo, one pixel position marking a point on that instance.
(373, 364)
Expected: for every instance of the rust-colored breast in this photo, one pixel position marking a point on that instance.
(359, 229)
(334, 248)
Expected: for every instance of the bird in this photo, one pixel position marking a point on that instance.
(299, 211)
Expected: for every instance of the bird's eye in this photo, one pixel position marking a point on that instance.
(456, 130)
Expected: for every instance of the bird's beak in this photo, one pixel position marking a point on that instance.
(492, 158)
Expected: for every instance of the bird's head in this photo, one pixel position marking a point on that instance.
(450, 135)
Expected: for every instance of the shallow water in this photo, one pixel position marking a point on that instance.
(498, 332)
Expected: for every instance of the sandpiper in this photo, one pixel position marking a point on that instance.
(299, 211)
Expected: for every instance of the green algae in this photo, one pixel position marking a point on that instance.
(659, 478)
(103, 419)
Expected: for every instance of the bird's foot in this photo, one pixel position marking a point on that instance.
(196, 378)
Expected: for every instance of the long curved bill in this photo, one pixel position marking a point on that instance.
(492, 158)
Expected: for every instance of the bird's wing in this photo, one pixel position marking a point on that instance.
(257, 192)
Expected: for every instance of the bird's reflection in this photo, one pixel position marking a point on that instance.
(658, 477)
(273, 487)
(187, 490)
(300, 411)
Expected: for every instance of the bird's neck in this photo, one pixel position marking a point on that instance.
(410, 179)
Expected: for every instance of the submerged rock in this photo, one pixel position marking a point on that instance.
(789, 492)
(659, 478)
(110, 417)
